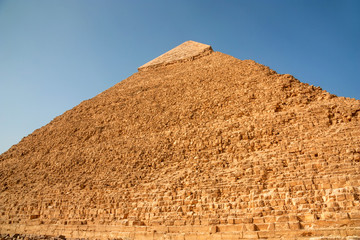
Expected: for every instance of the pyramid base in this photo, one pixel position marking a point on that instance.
(177, 232)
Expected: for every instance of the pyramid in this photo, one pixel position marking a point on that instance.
(195, 145)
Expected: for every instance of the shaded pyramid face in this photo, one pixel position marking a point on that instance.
(196, 145)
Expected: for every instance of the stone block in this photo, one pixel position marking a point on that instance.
(231, 235)
(282, 219)
(213, 229)
(250, 235)
(158, 229)
(355, 215)
(200, 229)
(198, 236)
(250, 227)
(282, 226)
(294, 225)
(309, 217)
(263, 226)
(231, 228)
(270, 219)
(257, 220)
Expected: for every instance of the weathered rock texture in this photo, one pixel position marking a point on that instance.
(213, 148)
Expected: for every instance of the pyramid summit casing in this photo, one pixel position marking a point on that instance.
(185, 52)
(196, 145)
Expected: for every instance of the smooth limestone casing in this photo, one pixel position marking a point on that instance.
(187, 51)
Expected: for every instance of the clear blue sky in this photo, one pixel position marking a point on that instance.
(56, 53)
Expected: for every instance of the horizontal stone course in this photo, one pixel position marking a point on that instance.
(218, 232)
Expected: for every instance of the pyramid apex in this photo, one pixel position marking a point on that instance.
(186, 51)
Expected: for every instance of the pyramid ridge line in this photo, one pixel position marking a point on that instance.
(187, 51)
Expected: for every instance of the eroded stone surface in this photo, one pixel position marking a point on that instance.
(214, 148)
